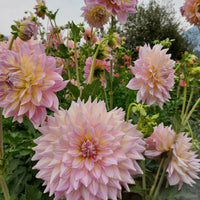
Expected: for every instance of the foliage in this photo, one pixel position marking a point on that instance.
(154, 22)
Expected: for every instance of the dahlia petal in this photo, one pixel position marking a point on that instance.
(89, 164)
(78, 162)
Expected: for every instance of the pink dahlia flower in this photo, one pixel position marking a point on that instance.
(190, 10)
(70, 46)
(87, 153)
(87, 36)
(54, 38)
(28, 82)
(184, 165)
(160, 141)
(100, 65)
(154, 75)
(117, 7)
(95, 15)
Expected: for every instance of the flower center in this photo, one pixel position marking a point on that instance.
(88, 149)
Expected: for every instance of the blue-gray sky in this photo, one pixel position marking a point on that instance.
(68, 10)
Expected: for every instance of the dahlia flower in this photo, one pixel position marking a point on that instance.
(54, 38)
(100, 65)
(154, 75)
(28, 82)
(160, 141)
(190, 10)
(95, 15)
(117, 7)
(87, 153)
(184, 165)
(87, 36)
(70, 46)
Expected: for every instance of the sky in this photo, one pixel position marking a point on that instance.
(68, 10)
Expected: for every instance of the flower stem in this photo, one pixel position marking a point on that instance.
(191, 133)
(162, 176)
(4, 188)
(157, 176)
(76, 64)
(2, 181)
(106, 99)
(191, 111)
(11, 42)
(129, 110)
(111, 85)
(184, 100)
(144, 179)
(90, 79)
(188, 105)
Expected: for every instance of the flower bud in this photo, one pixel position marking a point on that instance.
(40, 9)
(26, 30)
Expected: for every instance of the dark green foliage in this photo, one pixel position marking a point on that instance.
(154, 22)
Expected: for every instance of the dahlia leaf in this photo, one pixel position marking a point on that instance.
(91, 90)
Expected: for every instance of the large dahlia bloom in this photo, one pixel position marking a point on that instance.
(184, 165)
(120, 8)
(87, 153)
(100, 65)
(160, 141)
(95, 15)
(154, 75)
(190, 10)
(28, 82)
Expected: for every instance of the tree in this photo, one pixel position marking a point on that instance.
(154, 22)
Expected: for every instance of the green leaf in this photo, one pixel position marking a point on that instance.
(32, 192)
(134, 109)
(91, 90)
(14, 28)
(143, 112)
(75, 30)
(62, 51)
(73, 89)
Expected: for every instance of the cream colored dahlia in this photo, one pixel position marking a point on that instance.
(161, 140)
(87, 153)
(191, 10)
(29, 80)
(154, 75)
(184, 165)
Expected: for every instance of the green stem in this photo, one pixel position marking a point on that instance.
(90, 79)
(191, 133)
(112, 24)
(188, 105)
(156, 178)
(184, 100)
(144, 179)
(2, 181)
(11, 42)
(162, 176)
(129, 110)
(191, 111)
(1, 135)
(76, 64)
(111, 85)
(177, 67)
(106, 99)
(4, 188)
